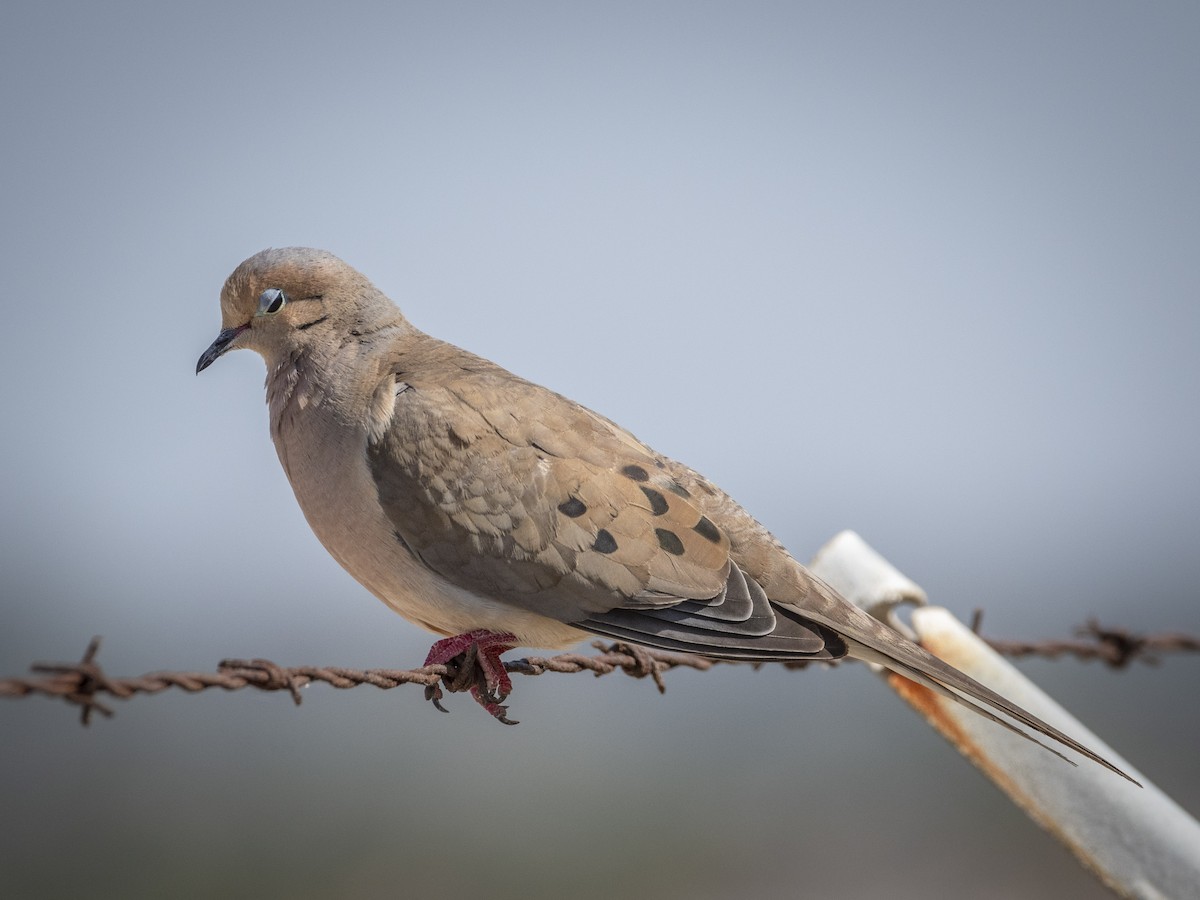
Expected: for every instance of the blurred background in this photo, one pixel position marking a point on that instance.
(943, 257)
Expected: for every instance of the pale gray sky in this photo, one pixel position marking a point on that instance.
(923, 270)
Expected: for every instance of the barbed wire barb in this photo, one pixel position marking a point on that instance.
(1116, 647)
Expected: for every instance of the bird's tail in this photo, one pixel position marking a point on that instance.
(870, 640)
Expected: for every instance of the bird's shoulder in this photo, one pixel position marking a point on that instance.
(432, 391)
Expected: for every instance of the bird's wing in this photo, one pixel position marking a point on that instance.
(522, 496)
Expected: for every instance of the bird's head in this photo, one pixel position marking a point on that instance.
(279, 301)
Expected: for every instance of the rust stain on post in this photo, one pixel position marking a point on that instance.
(941, 715)
(946, 718)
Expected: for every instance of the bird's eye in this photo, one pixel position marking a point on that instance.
(271, 301)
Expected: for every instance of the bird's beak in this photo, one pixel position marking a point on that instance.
(219, 346)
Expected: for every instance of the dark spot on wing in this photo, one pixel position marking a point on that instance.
(658, 503)
(676, 488)
(669, 541)
(573, 508)
(637, 473)
(707, 530)
(605, 542)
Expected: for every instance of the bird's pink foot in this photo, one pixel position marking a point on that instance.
(475, 665)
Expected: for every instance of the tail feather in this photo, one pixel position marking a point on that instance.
(866, 654)
(872, 641)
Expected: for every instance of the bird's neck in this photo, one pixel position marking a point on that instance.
(327, 378)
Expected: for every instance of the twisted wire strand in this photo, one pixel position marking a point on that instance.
(83, 683)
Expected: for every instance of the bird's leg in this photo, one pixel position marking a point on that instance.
(476, 657)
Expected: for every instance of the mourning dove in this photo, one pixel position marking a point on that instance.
(498, 513)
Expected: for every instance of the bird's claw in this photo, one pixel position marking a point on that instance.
(433, 693)
(473, 664)
(493, 706)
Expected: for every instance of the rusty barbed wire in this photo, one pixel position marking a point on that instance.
(1116, 647)
(83, 683)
